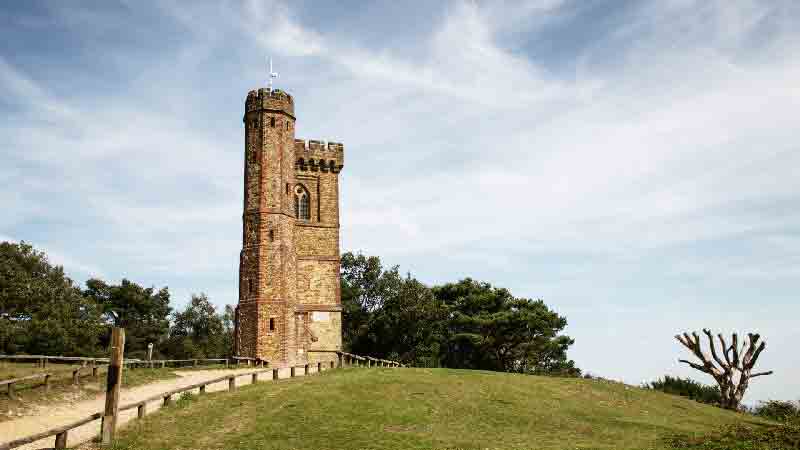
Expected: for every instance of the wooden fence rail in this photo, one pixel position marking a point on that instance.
(61, 432)
(10, 383)
(131, 363)
(46, 383)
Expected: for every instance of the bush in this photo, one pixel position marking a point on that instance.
(741, 437)
(781, 411)
(686, 387)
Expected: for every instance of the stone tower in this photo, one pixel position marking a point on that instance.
(289, 308)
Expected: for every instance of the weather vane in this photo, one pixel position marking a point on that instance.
(271, 75)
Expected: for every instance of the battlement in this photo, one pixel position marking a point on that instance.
(276, 100)
(318, 156)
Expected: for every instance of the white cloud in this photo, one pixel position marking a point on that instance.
(656, 171)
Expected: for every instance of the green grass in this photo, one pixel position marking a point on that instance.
(428, 408)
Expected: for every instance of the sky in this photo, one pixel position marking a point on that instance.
(635, 164)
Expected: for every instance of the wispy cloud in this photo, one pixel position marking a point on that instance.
(626, 163)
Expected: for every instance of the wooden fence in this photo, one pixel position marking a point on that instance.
(46, 379)
(94, 367)
(129, 363)
(61, 432)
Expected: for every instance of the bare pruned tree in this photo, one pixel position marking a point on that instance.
(734, 370)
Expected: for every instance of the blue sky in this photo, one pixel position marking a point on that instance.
(633, 163)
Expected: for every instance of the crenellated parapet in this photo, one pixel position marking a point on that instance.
(263, 99)
(317, 156)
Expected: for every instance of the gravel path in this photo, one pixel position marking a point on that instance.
(65, 413)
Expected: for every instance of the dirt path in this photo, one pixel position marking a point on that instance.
(65, 413)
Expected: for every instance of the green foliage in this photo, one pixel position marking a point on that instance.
(364, 286)
(199, 332)
(740, 437)
(781, 411)
(143, 312)
(41, 310)
(686, 387)
(387, 315)
(461, 325)
(490, 329)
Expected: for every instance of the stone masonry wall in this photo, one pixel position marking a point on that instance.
(289, 295)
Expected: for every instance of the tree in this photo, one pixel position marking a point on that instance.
(197, 332)
(41, 310)
(733, 374)
(143, 312)
(410, 324)
(490, 329)
(228, 325)
(364, 287)
(462, 325)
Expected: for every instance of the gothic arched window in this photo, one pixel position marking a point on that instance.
(301, 203)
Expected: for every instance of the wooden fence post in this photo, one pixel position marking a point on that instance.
(75, 376)
(61, 440)
(274, 374)
(331, 364)
(319, 367)
(141, 410)
(255, 378)
(11, 394)
(203, 389)
(305, 369)
(47, 382)
(113, 384)
(292, 371)
(232, 383)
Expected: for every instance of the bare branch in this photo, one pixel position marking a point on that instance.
(683, 341)
(693, 344)
(735, 347)
(752, 345)
(756, 354)
(713, 348)
(761, 374)
(696, 366)
(725, 349)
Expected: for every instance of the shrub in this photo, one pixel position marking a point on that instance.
(741, 437)
(781, 411)
(686, 387)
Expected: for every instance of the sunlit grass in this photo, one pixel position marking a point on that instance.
(428, 408)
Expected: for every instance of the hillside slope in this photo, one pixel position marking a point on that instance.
(425, 408)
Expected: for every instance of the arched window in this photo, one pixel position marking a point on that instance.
(301, 203)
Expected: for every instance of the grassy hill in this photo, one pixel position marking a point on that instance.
(427, 408)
